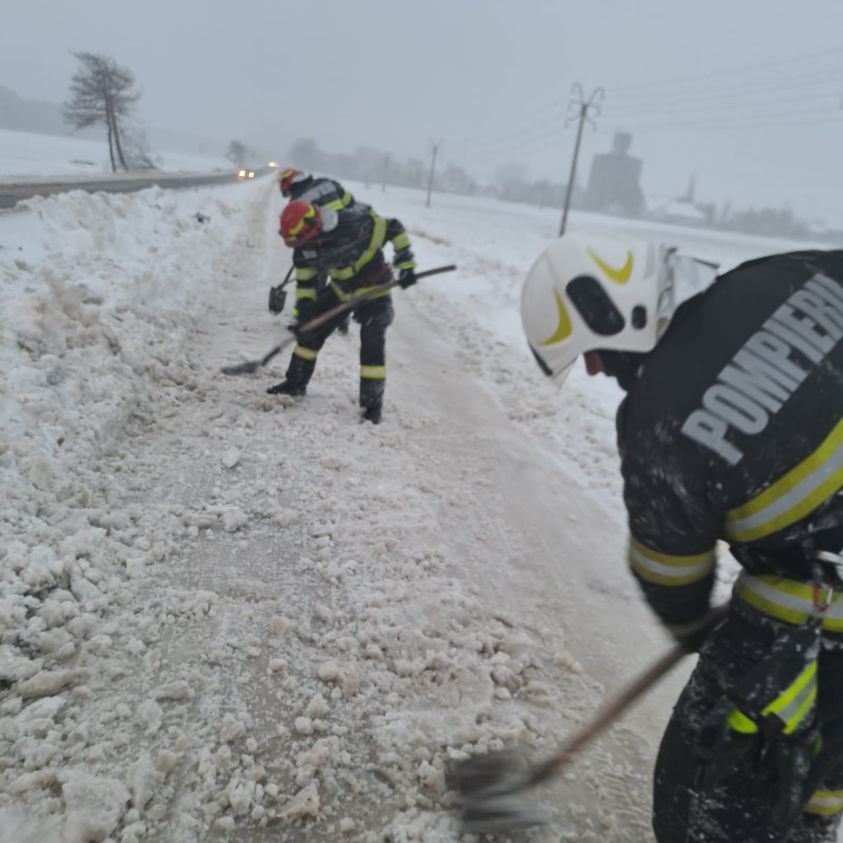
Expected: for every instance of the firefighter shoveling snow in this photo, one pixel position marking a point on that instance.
(229, 615)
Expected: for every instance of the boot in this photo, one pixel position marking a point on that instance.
(295, 381)
(372, 414)
(371, 399)
(287, 388)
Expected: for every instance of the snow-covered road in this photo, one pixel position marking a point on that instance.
(230, 616)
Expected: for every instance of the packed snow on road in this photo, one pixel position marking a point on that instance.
(231, 616)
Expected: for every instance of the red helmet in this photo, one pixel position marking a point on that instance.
(300, 221)
(287, 177)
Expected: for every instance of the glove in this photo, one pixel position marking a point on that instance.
(406, 278)
(779, 762)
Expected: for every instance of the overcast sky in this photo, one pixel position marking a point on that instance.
(744, 94)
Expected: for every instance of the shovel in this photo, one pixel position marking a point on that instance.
(252, 366)
(492, 788)
(278, 295)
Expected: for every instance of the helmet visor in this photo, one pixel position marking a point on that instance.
(595, 306)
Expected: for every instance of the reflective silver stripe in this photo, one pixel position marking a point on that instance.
(788, 600)
(825, 802)
(794, 495)
(791, 498)
(687, 573)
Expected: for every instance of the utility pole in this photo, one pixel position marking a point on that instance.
(432, 171)
(385, 170)
(581, 107)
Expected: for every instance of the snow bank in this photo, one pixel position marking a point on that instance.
(97, 295)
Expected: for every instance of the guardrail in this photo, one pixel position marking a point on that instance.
(13, 192)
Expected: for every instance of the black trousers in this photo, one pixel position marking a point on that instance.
(374, 317)
(739, 809)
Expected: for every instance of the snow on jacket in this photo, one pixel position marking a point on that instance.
(352, 253)
(734, 431)
(322, 191)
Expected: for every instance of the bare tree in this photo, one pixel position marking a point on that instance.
(101, 92)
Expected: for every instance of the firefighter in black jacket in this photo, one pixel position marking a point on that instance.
(348, 244)
(318, 190)
(324, 192)
(731, 430)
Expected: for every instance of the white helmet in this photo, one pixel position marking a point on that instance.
(586, 293)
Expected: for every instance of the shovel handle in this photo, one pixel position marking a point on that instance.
(254, 365)
(370, 294)
(615, 707)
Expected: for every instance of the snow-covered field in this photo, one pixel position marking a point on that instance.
(227, 616)
(29, 155)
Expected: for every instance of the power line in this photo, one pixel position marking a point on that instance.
(733, 71)
(520, 134)
(754, 123)
(702, 120)
(727, 102)
(680, 112)
(745, 88)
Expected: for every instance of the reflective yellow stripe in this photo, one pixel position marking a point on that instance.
(343, 296)
(665, 569)
(793, 705)
(740, 723)
(305, 293)
(825, 802)
(338, 204)
(375, 244)
(401, 241)
(305, 273)
(305, 353)
(308, 215)
(406, 265)
(373, 372)
(787, 600)
(793, 495)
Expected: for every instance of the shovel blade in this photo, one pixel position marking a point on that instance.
(492, 790)
(498, 818)
(247, 368)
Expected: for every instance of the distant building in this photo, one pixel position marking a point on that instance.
(614, 180)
